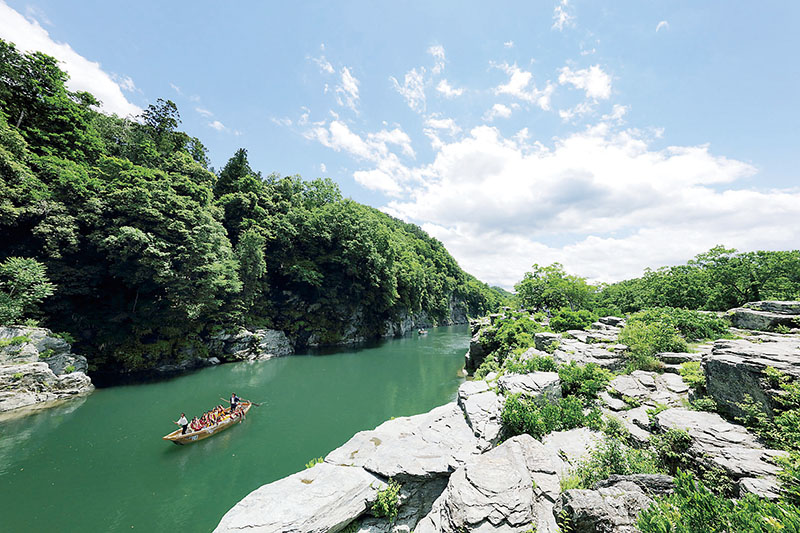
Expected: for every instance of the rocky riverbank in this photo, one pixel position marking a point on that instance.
(456, 475)
(37, 368)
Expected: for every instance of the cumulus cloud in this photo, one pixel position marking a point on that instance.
(85, 75)
(595, 82)
(497, 110)
(662, 25)
(412, 89)
(217, 125)
(437, 52)
(520, 85)
(562, 17)
(447, 90)
(347, 90)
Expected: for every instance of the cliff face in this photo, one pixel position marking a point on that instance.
(37, 367)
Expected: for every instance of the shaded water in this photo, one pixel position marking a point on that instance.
(99, 464)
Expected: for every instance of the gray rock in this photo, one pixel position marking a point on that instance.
(546, 342)
(272, 343)
(534, 384)
(651, 484)
(676, 358)
(573, 350)
(611, 509)
(753, 319)
(321, 499)
(776, 306)
(571, 447)
(650, 388)
(246, 345)
(612, 321)
(510, 488)
(735, 368)
(730, 447)
(482, 408)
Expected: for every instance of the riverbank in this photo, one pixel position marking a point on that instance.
(453, 476)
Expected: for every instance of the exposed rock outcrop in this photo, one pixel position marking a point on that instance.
(533, 384)
(246, 345)
(766, 316)
(38, 367)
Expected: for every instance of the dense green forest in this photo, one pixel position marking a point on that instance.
(117, 232)
(716, 280)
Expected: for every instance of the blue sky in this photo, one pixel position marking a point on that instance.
(607, 137)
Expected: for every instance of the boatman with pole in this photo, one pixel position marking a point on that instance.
(183, 423)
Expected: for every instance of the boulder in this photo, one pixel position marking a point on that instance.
(601, 354)
(612, 321)
(482, 408)
(776, 306)
(608, 509)
(570, 447)
(716, 443)
(321, 499)
(765, 316)
(735, 368)
(510, 488)
(648, 388)
(534, 384)
(651, 484)
(546, 341)
(246, 345)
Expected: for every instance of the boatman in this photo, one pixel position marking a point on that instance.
(234, 402)
(183, 423)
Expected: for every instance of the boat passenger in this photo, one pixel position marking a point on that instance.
(195, 425)
(183, 423)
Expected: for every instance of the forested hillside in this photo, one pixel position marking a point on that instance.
(117, 232)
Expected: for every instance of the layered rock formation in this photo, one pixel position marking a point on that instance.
(37, 367)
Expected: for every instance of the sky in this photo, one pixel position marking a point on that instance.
(609, 138)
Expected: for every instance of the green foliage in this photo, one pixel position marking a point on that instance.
(692, 325)
(65, 336)
(514, 331)
(516, 365)
(692, 374)
(550, 288)
(584, 381)
(23, 284)
(69, 369)
(670, 448)
(314, 461)
(692, 508)
(565, 319)
(704, 404)
(653, 412)
(14, 341)
(16, 376)
(611, 457)
(644, 340)
(388, 501)
(540, 416)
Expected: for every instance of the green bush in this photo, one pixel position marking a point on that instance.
(14, 341)
(692, 508)
(586, 381)
(489, 365)
(17, 376)
(539, 416)
(69, 369)
(692, 374)
(670, 448)
(693, 325)
(646, 340)
(314, 461)
(388, 501)
(566, 319)
(515, 365)
(610, 457)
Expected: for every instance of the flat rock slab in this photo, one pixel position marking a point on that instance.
(422, 446)
(321, 499)
(510, 488)
(718, 443)
(570, 447)
(570, 350)
(753, 319)
(776, 306)
(533, 384)
(482, 408)
(649, 388)
(608, 509)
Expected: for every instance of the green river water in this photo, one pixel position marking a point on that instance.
(99, 464)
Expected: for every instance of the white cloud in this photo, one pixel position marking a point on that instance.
(509, 44)
(413, 88)
(595, 82)
(520, 85)
(497, 110)
(85, 75)
(176, 89)
(125, 83)
(347, 90)
(323, 168)
(204, 112)
(217, 125)
(323, 64)
(285, 122)
(617, 112)
(35, 13)
(583, 108)
(447, 90)
(561, 17)
(437, 52)
(447, 124)
(663, 24)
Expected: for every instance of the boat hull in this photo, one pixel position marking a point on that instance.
(176, 437)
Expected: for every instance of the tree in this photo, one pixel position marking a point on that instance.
(23, 284)
(551, 288)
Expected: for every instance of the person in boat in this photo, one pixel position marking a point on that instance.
(183, 423)
(234, 402)
(195, 425)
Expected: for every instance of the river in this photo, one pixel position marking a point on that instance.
(99, 464)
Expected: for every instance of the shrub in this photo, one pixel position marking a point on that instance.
(388, 501)
(539, 416)
(645, 340)
(69, 369)
(314, 461)
(536, 363)
(586, 381)
(17, 376)
(693, 325)
(66, 336)
(670, 448)
(692, 508)
(14, 341)
(565, 319)
(693, 375)
(703, 404)
(610, 457)
(489, 365)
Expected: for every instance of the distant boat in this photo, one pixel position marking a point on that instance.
(422, 331)
(192, 436)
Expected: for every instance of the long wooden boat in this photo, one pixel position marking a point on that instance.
(193, 436)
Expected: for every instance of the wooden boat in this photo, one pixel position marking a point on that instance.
(422, 332)
(193, 436)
